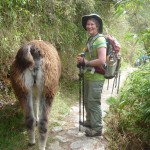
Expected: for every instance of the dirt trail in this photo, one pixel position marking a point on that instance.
(68, 137)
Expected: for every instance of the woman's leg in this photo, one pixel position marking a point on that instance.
(94, 105)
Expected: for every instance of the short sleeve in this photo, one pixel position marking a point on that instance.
(100, 42)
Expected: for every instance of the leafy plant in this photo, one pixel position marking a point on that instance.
(132, 111)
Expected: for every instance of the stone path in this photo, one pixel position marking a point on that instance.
(68, 137)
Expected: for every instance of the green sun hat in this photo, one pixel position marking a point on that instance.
(85, 18)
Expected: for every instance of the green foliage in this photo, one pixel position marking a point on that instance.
(138, 18)
(145, 38)
(132, 110)
(60, 23)
(55, 21)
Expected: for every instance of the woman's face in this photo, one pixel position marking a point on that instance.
(91, 27)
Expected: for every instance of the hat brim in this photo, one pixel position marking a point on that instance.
(87, 17)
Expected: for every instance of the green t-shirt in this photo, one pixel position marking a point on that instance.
(91, 54)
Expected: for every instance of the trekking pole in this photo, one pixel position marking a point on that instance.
(113, 85)
(118, 82)
(116, 79)
(116, 76)
(81, 90)
(80, 94)
(118, 73)
(83, 95)
(107, 84)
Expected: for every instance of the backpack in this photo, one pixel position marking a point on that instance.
(112, 65)
(112, 57)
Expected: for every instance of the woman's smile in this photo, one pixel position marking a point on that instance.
(91, 28)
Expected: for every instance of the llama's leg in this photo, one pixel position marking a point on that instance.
(43, 122)
(36, 108)
(29, 112)
(30, 120)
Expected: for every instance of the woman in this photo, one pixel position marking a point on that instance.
(95, 57)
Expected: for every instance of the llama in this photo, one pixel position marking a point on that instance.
(35, 77)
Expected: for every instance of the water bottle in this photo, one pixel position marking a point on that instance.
(111, 66)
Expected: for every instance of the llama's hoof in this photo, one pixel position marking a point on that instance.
(31, 144)
(36, 123)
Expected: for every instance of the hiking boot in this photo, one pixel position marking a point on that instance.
(92, 133)
(85, 124)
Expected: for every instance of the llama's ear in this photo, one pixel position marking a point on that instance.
(23, 52)
(24, 57)
(35, 52)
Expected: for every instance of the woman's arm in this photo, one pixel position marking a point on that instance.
(100, 61)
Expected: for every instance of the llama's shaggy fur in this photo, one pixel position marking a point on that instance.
(35, 77)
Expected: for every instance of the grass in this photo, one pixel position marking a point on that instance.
(128, 119)
(13, 135)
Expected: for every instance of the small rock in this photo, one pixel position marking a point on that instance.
(57, 129)
(80, 134)
(73, 132)
(87, 144)
(62, 139)
(55, 146)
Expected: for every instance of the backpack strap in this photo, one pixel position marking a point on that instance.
(90, 44)
(99, 44)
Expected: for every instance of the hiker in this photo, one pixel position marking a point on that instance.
(93, 81)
